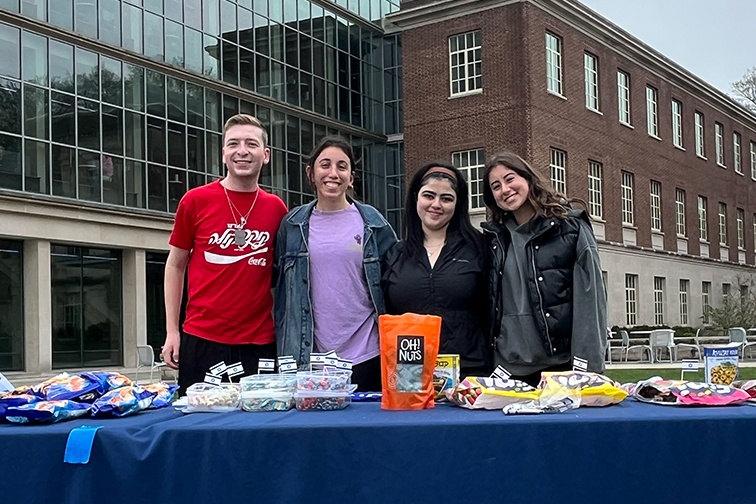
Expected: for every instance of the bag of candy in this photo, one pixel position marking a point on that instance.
(409, 347)
(122, 402)
(64, 387)
(688, 393)
(592, 389)
(747, 385)
(165, 393)
(490, 393)
(46, 411)
(108, 380)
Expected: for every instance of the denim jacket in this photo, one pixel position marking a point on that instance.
(293, 310)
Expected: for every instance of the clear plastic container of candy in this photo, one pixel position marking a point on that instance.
(322, 400)
(267, 400)
(279, 382)
(202, 397)
(336, 381)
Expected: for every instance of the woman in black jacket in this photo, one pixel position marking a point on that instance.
(439, 268)
(546, 288)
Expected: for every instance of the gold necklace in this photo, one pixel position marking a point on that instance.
(240, 237)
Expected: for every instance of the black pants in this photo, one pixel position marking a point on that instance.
(198, 355)
(367, 375)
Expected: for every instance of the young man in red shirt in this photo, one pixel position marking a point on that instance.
(224, 234)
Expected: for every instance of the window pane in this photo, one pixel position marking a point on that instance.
(110, 22)
(10, 63)
(111, 81)
(63, 171)
(63, 118)
(132, 28)
(135, 185)
(10, 106)
(89, 172)
(134, 133)
(112, 180)
(156, 194)
(88, 122)
(12, 301)
(134, 87)
(112, 129)
(36, 166)
(35, 112)
(34, 59)
(87, 74)
(86, 17)
(61, 13)
(10, 162)
(61, 66)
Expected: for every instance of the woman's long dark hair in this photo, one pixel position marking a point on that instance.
(545, 200)
(460, 221)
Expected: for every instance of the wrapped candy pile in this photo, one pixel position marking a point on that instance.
(101, 394)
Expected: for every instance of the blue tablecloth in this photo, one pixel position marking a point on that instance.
(629, 453)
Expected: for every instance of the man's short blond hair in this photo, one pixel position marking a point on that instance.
(245, 119)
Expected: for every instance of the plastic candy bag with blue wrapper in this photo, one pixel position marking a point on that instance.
(122, 402)
(165, 393)
(46, 411)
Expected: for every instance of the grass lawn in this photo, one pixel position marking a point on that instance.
(634, 375)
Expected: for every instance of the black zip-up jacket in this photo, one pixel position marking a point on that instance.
(565, 285)
(455, 289)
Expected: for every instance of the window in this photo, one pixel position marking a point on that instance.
(705, 300)
(12, 301)
(465, 63)
(703, 226)
(684, 288)
(595, 207)
(631, 299)
(736, 161)
(719, 143)
(553, 63)
(723, 224)
(623, 96)
(741, 227)
(680, 212)
(725, 293)
(699, 119)
(591, 82)
(627, 199)
(470, 163)
(753, 160)
(658, 300)
(743, 294)
(656, 222)
(754, 232)
(558, 170)
(677, 131)
(652, 111)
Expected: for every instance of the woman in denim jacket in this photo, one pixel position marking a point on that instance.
(328, 267)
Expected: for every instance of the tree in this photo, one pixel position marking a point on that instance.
(745, 89)
(739, 309)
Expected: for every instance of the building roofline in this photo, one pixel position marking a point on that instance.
(593, 25)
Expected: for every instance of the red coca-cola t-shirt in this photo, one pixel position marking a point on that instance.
(229, 285)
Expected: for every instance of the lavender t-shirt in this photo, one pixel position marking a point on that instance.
(344, 315)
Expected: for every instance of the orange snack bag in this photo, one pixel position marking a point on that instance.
(409, 346)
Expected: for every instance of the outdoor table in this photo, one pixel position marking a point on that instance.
(626, 453)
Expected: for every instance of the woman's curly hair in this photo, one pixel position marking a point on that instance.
(545, 200)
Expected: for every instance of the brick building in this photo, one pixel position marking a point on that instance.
(666, 162)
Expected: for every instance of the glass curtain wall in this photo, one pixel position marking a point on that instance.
(86, 307)
(11, 306)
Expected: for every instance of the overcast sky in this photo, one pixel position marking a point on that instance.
(713, 39)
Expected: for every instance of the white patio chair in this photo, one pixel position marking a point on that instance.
(660, 339)
(613, 344)
(695, 346)
(626, 345)
(738, 335)
(146, 358)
